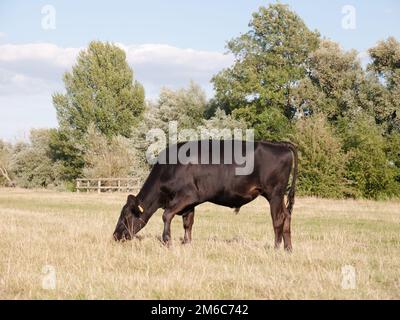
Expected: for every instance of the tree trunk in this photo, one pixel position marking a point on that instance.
(4, 173)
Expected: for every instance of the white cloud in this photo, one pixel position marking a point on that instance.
(30, 73)
(39, 52)
(198, 60)
(3, 34)
(158, 65)
(154, 64)
(21, 84)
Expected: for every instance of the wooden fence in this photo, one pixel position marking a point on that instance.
(108, 185)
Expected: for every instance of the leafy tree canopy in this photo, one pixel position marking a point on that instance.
(100, 89)
(269, 61)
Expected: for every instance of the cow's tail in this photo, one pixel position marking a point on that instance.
(292, 189)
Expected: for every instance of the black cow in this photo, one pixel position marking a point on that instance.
(178, 188)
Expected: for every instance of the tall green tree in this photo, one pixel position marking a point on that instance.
(100, 91)
(270, 59)
(385, 67)
(334, 83)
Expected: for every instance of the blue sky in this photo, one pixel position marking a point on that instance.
(202, 25)
(167, 43)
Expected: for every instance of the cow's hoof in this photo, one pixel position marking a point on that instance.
(167, 243)
(289, 249)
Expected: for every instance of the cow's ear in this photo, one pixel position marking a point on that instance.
(131, 200)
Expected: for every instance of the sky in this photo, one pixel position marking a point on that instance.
(168, 43)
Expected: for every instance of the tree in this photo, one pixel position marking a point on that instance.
(392, 150)
(322, 162)
(222, 121)
(385, 67)
(5, 163)
(368, 168)
(66, 151)
(270, 124)
(31, 164)
(336, 85)
(386, 62)
(101, 90)
(113, 157)
(270, 60)
(185, 105)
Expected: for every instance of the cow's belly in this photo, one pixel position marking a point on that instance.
(233, 200)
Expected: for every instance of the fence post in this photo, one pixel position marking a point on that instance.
(99, 186)
(78, 185)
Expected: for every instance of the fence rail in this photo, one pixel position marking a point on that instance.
(107, 185)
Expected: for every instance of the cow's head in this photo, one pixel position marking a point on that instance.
(130, 220)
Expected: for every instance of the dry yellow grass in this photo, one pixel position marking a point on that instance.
(231, 256)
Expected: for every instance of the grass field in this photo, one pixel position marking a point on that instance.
(231, 257)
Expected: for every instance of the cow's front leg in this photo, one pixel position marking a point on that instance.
(167, 218)
(179, 204)
(188, 219)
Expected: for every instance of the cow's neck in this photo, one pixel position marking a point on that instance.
(149, 198)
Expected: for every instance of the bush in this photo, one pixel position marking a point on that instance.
(321, 160)
(109, 157)
(392, 150)
(270, 124)
(65, 151)
(368, 168)
(32, 165)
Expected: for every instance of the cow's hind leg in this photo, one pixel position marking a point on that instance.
(188, 219)
(277, 215)
(287, 239)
